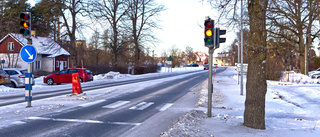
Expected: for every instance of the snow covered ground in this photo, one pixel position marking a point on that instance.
(292, 108)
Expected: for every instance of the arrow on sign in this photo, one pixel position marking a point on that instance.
(30, 56)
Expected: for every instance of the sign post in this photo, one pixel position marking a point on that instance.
(170, 59)
(28, 54)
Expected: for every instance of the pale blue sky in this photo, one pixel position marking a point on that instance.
(182, 24)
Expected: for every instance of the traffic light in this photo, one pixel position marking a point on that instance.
(208, 33)
(218, 39)
(25, 24)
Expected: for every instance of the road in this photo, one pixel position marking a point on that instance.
(114, 116)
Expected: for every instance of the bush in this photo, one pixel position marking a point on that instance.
(274, 68)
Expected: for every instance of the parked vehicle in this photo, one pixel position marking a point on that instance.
(315, 75)
(17, 76)
(206, 67)
(193, 65)
(313, 72)
(65, 76)
(5, 78)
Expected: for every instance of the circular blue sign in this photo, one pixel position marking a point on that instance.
(28, 53)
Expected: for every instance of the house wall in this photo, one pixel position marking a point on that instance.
(47, 64)
(57, 61)
(4, 46)
(14, 58)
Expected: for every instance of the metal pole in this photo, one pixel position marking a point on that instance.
(305, 60)
(29, 71)
(210, 83)
(241, 86)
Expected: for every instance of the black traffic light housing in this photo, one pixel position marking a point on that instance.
(25, 24)
(218, 39)
(209, 33)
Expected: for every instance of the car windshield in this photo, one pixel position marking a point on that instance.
(88, 71)
(24, 71)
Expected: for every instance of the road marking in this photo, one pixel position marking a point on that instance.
(92, 103)
(125, 123)
(142, 106)
(116, 104)
(165, 107)
(83, 121)
(66, 120)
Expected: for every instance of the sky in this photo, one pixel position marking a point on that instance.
(182, 25)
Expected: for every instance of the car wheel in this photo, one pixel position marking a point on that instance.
(318, 77)
(50, 81)
(13, 85)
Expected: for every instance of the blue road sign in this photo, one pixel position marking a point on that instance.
(28, 53)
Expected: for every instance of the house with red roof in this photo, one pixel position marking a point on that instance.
(50, 55)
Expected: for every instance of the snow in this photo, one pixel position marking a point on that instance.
(292, 107)
(43, 45)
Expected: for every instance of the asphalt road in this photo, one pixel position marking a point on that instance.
(113, 116)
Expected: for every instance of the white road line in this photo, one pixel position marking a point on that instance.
(116, 104)
(92, 103)
(142, 106)
(165, 107)
(83, 121)
(125, 123)
(66, 120)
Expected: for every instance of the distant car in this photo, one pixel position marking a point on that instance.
(193, 65)
(17, 76)
(206, 67)
(65, 76)
(315, 75)
(313, 72)
(5, 78)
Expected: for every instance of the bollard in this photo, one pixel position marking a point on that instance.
(76, 86)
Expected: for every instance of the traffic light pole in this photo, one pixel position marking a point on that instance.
(210, 85)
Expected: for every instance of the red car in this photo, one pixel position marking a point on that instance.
(65, 76)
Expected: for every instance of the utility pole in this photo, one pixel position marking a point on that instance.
(241, 85)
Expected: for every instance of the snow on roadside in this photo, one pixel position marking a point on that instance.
(291, 110)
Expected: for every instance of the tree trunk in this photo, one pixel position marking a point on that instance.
(256, 88)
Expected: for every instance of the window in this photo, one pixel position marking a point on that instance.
(73, 70)
(57, 64)
(12, 72)
(10, 46)
(63, 72)
(38, 65)
(65, 64)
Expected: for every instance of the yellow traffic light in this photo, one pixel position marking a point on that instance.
(25, 24)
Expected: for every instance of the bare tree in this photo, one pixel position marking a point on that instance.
(190, 54)
(142, 14)
(256, 88)
(74, 8)
(295, 22)
(112, 11)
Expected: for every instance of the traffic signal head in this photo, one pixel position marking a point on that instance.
(218, 39)
(25, 24)
(208, 33)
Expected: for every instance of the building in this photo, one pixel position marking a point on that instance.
(202, 57)
(50, 55)
(221, 59)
